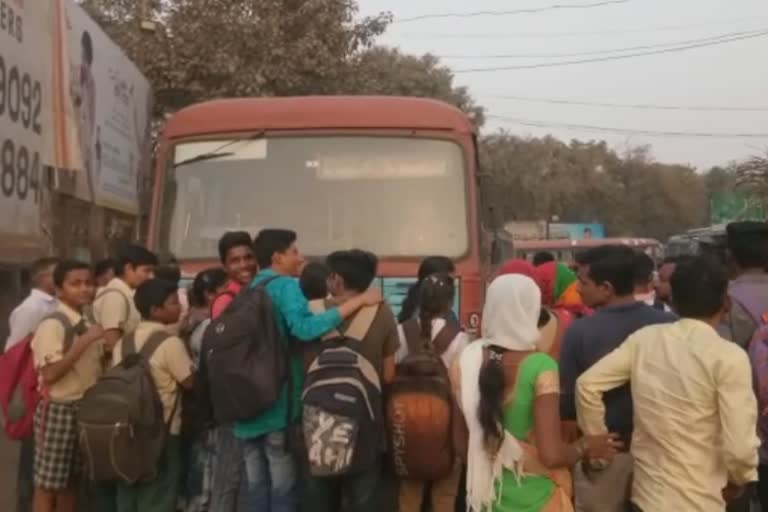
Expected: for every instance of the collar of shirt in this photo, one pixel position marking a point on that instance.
(42, 296)
(648, 298)
(74, 316)
(691, 324)
(151, 326)
(622, 308)
(752, 277)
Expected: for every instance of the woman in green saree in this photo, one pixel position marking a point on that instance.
(509, 395)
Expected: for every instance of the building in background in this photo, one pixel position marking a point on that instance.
(75, 148)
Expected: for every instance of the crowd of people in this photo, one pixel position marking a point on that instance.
(613, 385)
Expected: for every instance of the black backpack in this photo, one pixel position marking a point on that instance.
(120, 418)
(244, 362)
(342, 404)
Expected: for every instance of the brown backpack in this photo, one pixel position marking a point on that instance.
(420, 405)
(121, 420)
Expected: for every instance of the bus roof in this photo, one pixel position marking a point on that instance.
(582, 244)
(316, 112)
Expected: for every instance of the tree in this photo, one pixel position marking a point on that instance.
(387, 71)
(752, 174)
(204, 49)
(536, 178)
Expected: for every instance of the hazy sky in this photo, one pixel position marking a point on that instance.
(728, 75)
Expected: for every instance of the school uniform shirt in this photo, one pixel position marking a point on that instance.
(48, 348)
(116, 310)
(170, 365)
(28, 315)
(694, 410)
(449, 356)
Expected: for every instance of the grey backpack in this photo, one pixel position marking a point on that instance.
(120, 419)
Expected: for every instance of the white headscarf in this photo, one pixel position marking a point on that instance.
(510, 321)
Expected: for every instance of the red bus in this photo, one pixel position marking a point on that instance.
(395, 176)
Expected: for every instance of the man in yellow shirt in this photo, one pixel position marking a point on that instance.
(694, 439)
(67, 353)
(171, 367)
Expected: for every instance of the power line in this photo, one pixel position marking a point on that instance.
(636, 106)
(612, 57)
(532, 10)
(606, 51)
(549, 35)
(627, 131)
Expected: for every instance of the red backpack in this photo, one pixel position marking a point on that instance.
(19, 383)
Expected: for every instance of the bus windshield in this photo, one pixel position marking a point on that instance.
(394, 196)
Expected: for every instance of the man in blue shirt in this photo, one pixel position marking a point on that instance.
(270, 467)
(606, 283)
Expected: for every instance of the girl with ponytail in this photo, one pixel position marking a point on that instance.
(433, 306)
(509, 395)
(430, 329)
(430, 266)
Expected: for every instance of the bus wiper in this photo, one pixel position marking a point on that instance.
(218, 153)
(204, 157)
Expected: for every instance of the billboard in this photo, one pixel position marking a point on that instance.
(24, 86)
(734, 206)
(101, 111)
(577, 231)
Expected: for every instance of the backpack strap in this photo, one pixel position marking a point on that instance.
(268, 280)
(362, 322)
(69, 330)
(413, 339)
(358, 328)
(148, 349)
(225, 293)
(106, 291)
(445, 337)
(153, 343)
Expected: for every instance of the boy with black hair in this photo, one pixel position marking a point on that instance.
(314, 281)
(607, 283)
(748, 254)
(104, 272)
(542, 257)
(157, 301)
(237, 258)
(113, 307)
(270, 467)
(351, 274)
(67, 353)
(115, 311)
(645, 290)
(694, 408)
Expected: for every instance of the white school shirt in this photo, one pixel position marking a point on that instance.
(28, 315)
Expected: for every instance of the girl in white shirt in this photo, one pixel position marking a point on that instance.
(435, 301)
